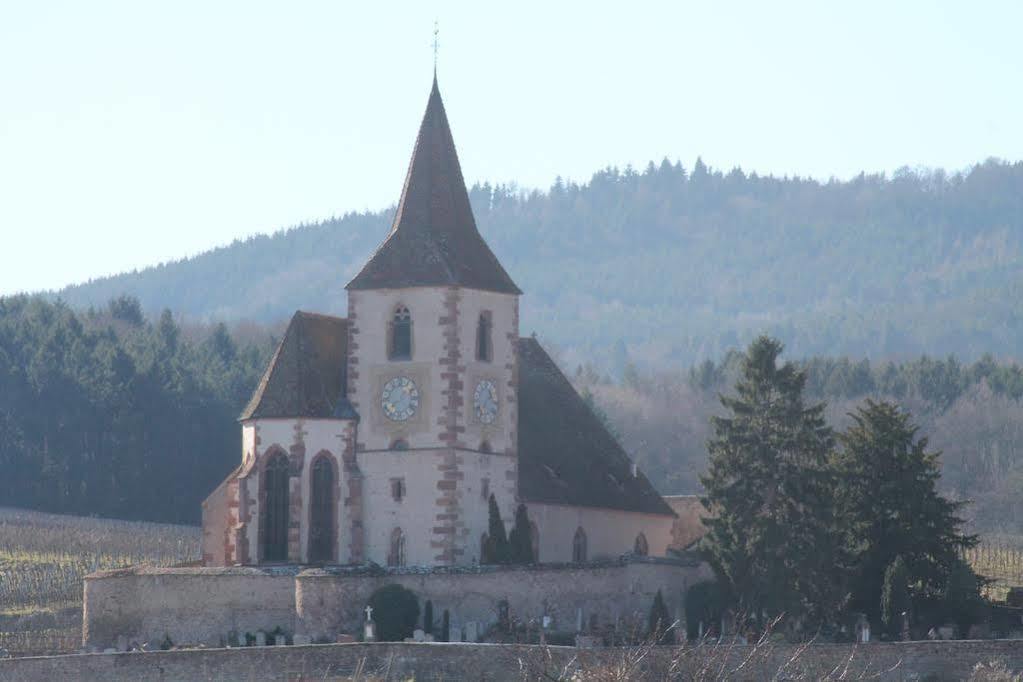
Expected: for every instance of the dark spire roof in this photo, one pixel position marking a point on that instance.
(434, 240)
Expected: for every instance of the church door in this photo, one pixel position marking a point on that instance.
(321, 526)
(275, 509)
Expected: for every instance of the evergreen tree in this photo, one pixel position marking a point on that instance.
(428, 617)
(659, 623)
(521, 539)
(496, 545)
(894, 597)
(771, 534)
(890, 507)
(963, 603)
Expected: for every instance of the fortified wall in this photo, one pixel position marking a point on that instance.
(199, 605)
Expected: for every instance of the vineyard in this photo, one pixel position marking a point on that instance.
(44, 557)
(1000, 560)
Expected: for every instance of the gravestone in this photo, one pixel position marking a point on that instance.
(369, 630)
(240, 639)
(344, 639)
(471, 631)
(418, 635)
(260, 638)
(122, 643)
(301, 640)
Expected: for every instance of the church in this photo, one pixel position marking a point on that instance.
(374, 446)
(380, 437)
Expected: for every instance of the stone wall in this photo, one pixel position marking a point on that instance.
(899, 661)
(188, 605)
(205, 605)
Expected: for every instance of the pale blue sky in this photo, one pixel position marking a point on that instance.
(137, 132)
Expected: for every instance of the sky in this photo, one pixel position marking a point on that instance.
(132, 133)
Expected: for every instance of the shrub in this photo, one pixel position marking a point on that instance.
(704, 604)
(395, 612)
(659, 623)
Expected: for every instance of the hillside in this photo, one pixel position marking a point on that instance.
(680, 265)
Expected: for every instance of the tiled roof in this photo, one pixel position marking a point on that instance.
(566, 455)
(306, 375)
(434, 240)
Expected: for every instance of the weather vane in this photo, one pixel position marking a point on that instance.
(436, 44)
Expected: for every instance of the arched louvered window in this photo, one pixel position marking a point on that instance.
(396, 557)
(484, 345)
(641, 548)
(579, 545)
(275, 508)
(322, 509)
(401, 335)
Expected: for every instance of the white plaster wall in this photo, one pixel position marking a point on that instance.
(374, 311)
(609, 533)
(317, 435)
(416, 513)
(504, 316)
(500, 470)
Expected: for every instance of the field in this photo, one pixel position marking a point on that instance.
(43, 558)
(1000, 560)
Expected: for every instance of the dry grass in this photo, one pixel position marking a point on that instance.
(44, 557)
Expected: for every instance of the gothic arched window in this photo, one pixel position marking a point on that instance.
(396, 557)
(484, 345)
(275, 508)
(579, 545)
(321, 511)
(641, 548)
(400, 346)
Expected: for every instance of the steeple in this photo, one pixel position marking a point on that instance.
(434, 240)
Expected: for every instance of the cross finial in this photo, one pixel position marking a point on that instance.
(436, 44)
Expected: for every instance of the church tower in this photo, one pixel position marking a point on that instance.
(432, 370)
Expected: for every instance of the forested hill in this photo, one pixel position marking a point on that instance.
(681, 264)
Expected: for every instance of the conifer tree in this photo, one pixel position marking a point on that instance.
(771, 533)
(659, 623)
(521, 539)
(496, 546)
(894, 597)
(891, 508)
(428, 617)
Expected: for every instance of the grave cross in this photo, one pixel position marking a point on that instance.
(369, 612)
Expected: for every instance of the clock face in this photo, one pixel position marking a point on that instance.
(485, 400)
(400, 399)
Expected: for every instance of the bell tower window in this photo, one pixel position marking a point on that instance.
(484, 342)
(400, 337)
